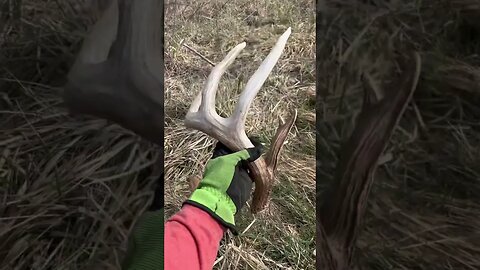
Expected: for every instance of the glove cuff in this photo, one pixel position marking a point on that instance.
(219, 205)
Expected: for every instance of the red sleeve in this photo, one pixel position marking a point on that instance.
(192, 239)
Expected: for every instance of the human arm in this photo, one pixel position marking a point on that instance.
(192, 239)
(192, 236)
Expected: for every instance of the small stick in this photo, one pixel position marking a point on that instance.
(199, 54)
(205, 58)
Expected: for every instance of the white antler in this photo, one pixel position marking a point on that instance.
(231, 131)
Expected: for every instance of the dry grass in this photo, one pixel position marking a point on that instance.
(283, 236)
(423, 211)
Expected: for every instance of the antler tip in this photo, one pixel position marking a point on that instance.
(241, 45)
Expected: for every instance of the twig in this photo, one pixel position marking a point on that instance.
(199, 54)
(206, 59)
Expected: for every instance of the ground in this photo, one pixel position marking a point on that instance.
(282, 237)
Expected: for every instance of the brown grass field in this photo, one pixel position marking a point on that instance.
(282, 237)
(71, 187)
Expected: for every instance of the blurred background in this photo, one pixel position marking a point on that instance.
(423, 210)
(71, 187)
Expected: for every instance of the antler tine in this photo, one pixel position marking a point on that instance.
(205, 100)
(256, 81)
(96, 46)
(211, 86)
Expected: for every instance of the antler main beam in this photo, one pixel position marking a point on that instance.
(230, 131)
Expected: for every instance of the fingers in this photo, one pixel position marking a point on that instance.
(254, 152)
(256, 141)
(221, 150)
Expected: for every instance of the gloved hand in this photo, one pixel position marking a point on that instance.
(226, 184)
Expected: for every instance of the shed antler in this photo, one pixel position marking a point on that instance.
(340, 210)
(230, 131)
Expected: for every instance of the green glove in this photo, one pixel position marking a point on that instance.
(226, 185)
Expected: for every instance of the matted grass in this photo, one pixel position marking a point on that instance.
(423, 210)
(282, 237)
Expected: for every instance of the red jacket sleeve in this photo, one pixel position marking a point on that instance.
(192, 239)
